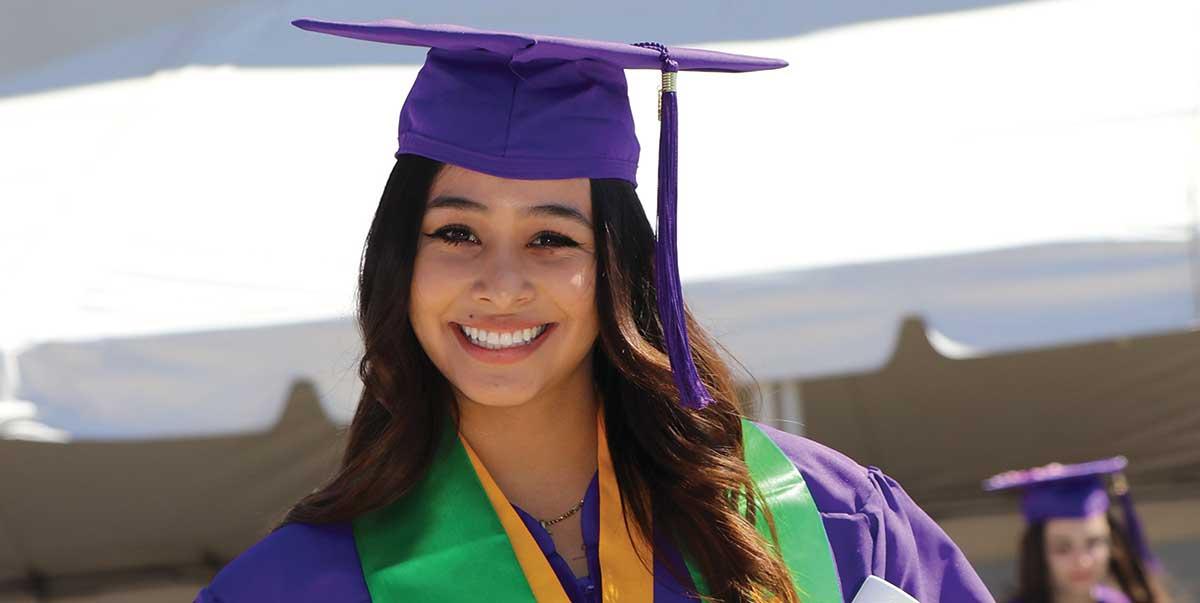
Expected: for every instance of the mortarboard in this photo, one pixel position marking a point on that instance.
(1074, 491)
(544, 107)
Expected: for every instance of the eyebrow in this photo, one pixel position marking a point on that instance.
(554, 210)
(448, 202)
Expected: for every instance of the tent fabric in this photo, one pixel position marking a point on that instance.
(795, 325)
(939, 425)
(190, 384)
(85, 508)
(963, 164)
(100, 513)
(112, 255)
(845, 319)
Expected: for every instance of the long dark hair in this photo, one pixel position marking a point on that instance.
(680, 471)
(1124, 565)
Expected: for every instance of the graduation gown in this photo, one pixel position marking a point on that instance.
(1108, 594)
(873, 528)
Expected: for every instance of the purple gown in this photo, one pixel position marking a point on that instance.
(874, 528)
(1108, 594)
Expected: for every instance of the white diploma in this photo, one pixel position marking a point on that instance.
(878, 590)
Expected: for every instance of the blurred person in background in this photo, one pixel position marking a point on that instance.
(1075, 549)
(541, 416)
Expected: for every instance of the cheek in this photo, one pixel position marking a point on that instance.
(573, 287)
(435, 283)
(1058, 561)
(1062, 563)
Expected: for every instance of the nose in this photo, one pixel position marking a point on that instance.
(1085, 560)
(503, 281)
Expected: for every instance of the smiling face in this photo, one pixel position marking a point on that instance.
(503, 288)
(1077, 553)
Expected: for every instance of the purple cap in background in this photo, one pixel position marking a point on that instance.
(1075, 491)
(1057, 490)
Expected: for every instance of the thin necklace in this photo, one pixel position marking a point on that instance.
(546, 523)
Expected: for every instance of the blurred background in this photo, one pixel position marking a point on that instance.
(954, 237)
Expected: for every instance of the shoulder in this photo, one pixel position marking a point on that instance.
(297, 562)
(838, 483)
(875, 529)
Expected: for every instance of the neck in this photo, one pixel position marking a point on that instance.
(542, 453)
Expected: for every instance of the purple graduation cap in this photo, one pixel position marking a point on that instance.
(543, 107)
(1075, 491)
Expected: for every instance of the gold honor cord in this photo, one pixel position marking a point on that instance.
(626, 559)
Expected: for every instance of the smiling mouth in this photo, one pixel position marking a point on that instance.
(502, 340)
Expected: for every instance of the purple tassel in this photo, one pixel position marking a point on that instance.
(692, 393)
(1134, 525)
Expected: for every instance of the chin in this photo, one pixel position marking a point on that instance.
(500, 393)
(1077, 589)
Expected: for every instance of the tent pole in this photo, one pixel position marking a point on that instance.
(1194, 219)
(791, 406)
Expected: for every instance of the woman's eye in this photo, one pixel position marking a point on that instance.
(552, 239)
(454, 235)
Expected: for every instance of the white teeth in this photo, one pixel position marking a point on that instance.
(495, 340)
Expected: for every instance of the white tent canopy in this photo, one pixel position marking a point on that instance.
(234, 199)
(791, 325)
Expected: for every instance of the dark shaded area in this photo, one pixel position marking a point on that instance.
(1133, 396)
(57, 43)
(91, 511)
(152, 520)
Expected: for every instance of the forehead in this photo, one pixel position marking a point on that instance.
(495, 191)
(1093, 525)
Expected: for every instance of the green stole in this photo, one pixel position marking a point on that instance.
(444, 542)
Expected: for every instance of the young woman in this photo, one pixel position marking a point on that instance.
(1074, 550)
(541, 418)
